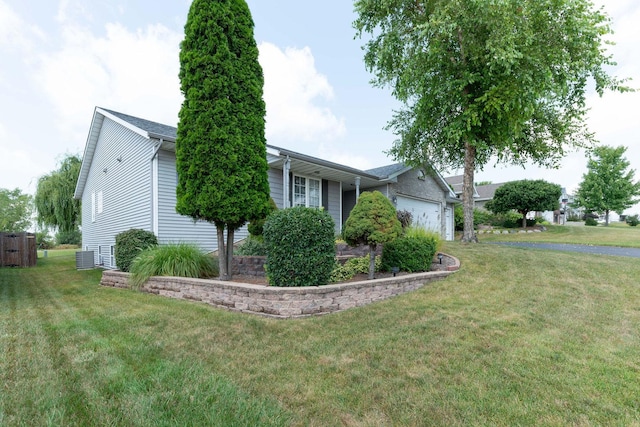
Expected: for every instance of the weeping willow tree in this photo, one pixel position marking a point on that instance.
(54, 202)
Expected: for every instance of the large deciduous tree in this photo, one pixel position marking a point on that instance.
(526, 196)
(54, 200)
(479, 79)
(608, 186)
(372, 222)
(221, 147)
(15, 210)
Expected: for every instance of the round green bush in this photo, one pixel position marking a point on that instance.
(411, 253)
(300, 247)
(633, 220)
(591, 222)
(130, 243)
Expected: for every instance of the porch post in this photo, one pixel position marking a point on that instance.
(285, 183)
(357, 188)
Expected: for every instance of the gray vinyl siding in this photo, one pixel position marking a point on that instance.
(275, 184)
(125, 186)
(334, 209)
(173, 227)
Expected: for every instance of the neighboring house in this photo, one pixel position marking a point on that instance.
(128, 180)
(486, 192)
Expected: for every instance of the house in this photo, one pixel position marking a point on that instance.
(128, 179)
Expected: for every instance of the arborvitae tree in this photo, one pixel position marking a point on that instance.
(372, 222)
(54, 200)
(221, 147)
(502, 79)
(608, 186)
(526, 196)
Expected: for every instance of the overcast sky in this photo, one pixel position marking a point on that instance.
(62, 58)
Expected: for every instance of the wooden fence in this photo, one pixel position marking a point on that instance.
(18, 250)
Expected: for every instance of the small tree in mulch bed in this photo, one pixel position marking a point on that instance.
(372, 222)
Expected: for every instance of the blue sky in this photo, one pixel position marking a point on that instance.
(62, 58)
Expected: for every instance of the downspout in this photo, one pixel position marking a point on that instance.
(154, 187)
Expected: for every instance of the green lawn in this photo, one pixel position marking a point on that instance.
(616, 234)
(516, 337)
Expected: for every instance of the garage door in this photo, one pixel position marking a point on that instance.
(425, 214)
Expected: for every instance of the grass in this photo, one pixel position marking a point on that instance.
(616, 234)
(516, 337)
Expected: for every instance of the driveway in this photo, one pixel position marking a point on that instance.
(588, 249)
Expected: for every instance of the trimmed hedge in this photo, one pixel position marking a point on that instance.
(411, 253)
(130, 243)
(300, 247)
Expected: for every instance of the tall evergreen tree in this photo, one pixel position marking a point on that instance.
(54, 200)
(484, 79)
(221, 147)
(608, 186)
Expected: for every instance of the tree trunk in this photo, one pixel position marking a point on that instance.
(222, 254)
(606, 218)
(229, 248)
(372, 261)
(524, 219)
(468, 233)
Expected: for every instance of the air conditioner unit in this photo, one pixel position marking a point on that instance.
(85, 260)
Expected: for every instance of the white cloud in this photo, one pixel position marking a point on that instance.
(294, 92)
(15, 34)
(134, 72)
(19, 163)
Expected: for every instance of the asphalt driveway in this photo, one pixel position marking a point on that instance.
(588, 249)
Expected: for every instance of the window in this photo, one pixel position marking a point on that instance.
(112, 258)
(100, 258)
(93, 207)
(307, 192)
(100, 202)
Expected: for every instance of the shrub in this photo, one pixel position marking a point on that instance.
(633, 220)
(405, 217)
(591, 222)
(43, 240)
(458, 217)
(481, 216)
(353, 266)
(130, 243)
(372, 221)
(73, 237)
(300, 247)
(256, 226)
(412, 252)
(179, 259)
(253, 246)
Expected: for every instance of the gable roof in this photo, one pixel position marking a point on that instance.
(487, 191)
(153, 129)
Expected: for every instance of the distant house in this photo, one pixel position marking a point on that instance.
(128, 180)
(486, 192)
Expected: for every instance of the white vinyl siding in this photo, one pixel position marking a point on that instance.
(128, 201)
(173, 227)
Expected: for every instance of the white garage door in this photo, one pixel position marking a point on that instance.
(425, 214)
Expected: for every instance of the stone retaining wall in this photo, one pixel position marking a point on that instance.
(280, 302)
